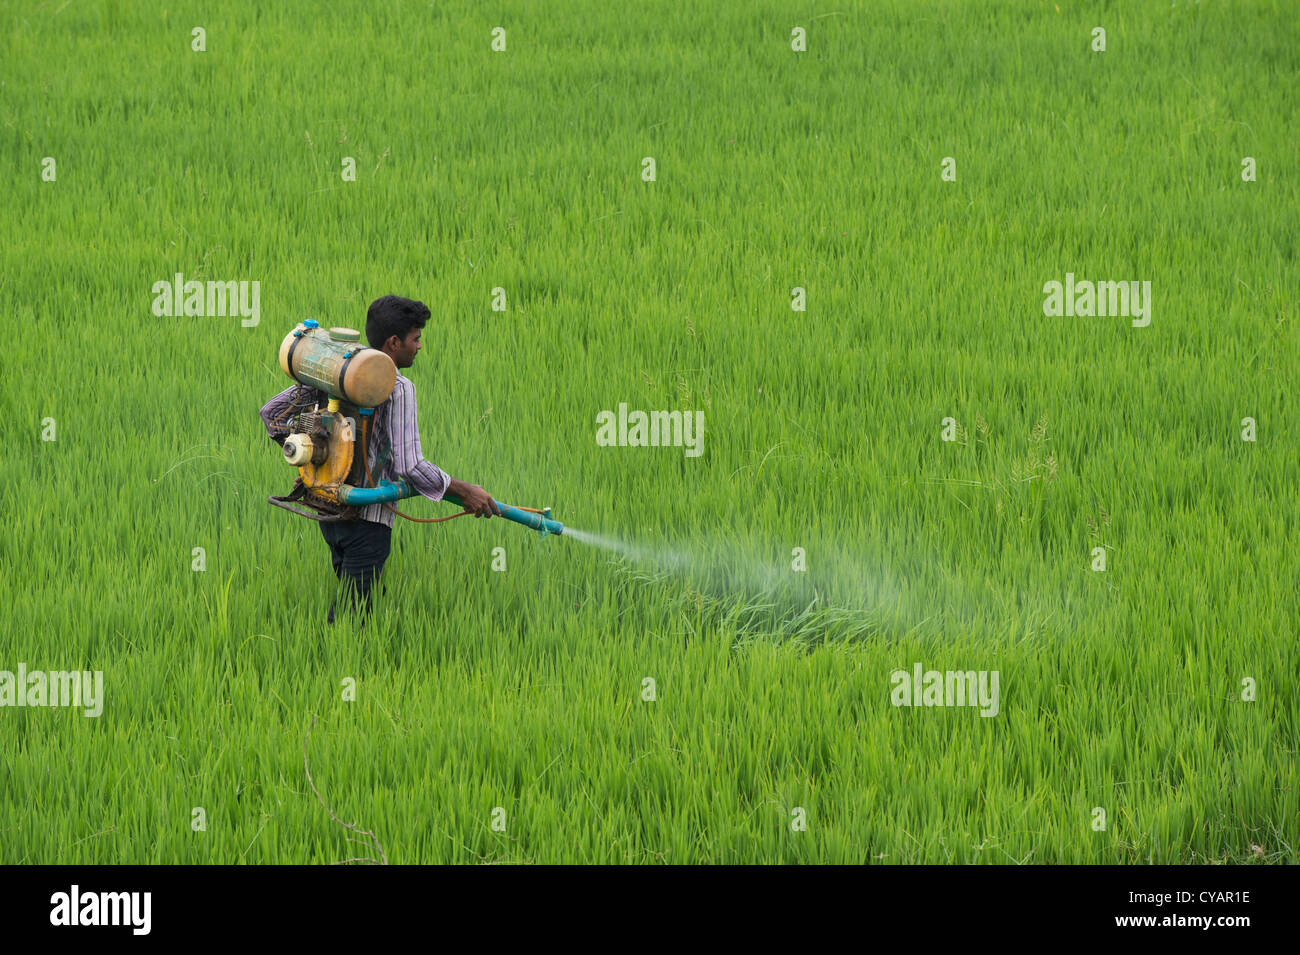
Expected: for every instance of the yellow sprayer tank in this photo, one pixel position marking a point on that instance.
(337, 363)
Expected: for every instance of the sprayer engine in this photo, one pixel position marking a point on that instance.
(325, 448)
(308, 442)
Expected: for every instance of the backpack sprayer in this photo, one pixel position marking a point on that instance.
(333, 462)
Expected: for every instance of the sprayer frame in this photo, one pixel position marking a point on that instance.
(355, 484)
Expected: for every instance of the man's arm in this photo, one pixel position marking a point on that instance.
(425, 478)
(476, 500)
(276, 412)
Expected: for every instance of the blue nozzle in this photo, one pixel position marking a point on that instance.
(537, 522)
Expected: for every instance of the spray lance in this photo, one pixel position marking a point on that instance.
(334, 480)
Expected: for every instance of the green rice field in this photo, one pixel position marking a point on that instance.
(839, 256)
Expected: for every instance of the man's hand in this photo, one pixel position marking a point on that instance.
(476, 500)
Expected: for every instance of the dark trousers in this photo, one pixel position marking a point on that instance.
(358, 550)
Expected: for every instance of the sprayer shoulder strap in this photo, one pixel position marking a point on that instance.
(381, 459)
(385, 451)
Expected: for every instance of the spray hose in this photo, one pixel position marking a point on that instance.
(383, 493)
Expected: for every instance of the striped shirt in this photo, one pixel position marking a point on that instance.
(393, 436)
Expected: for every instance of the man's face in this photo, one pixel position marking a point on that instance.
(404, 350)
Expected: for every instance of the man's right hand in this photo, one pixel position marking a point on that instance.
(476, 500)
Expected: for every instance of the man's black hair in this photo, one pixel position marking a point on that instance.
(393, 315)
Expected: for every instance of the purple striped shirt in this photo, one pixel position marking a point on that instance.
(393, 428)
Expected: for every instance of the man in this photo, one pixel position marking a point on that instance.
(359, 548)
